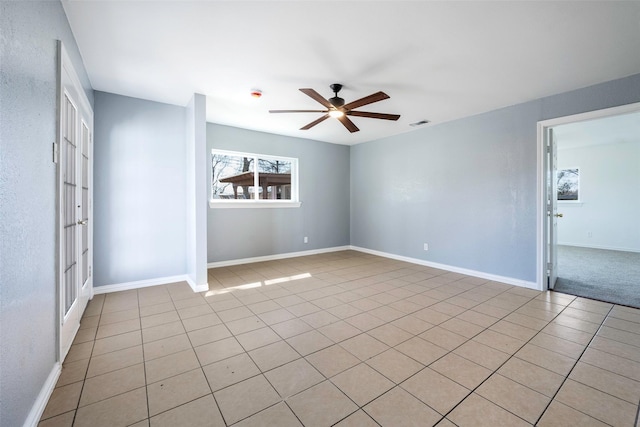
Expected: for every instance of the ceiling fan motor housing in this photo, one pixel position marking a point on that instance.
(336, 101)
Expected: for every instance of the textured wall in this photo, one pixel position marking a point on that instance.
(324, 193)
(139, 190)
(28, 317)
(610, 196)
(467, 187)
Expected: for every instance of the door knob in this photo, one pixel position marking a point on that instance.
(559, 215)
(82, 222)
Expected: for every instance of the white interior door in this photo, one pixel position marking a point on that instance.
(75, 197)
(552, 209)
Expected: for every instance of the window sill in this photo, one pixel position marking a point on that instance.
(570, 203)
(258, 204)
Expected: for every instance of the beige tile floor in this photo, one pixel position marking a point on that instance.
(349, 339)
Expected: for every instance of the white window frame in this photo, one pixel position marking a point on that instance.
(256, 202)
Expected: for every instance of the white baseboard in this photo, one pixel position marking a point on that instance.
(43, 397)
(201, 288)
(276, 257)
(197, 288)
(140, 284)
(474, 273)
(607, 248)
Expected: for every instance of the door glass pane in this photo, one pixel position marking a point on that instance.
(84, 229)
(69, 220)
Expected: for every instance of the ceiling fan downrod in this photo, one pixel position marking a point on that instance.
(336, 101)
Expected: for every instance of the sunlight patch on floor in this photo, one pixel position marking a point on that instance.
(258, 284)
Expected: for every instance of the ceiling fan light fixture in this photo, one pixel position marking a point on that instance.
(336, 113)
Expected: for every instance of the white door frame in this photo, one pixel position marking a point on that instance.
(551, 201)
(541, 210)
(69, 85)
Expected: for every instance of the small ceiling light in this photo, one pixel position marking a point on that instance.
(420, 123)
(336, 113)
(256, 93)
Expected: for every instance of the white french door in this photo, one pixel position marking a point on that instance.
(75, 199)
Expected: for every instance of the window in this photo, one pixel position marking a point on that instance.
(253, 180)
(568, 185)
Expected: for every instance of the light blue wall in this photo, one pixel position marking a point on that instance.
(467, 187)
(324, 193)
(139, 190)
(28, 91)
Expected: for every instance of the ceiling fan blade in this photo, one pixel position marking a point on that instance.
(298, 111)
(374, 115)
(378, 96)
(316, 96)
(348, 124)
(315, 122)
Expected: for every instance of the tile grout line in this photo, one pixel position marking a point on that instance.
(283, 399)
(449, 352)
(198, 359)
(468, 310)
(320, 309)
(84, 379)
(553, 398)
(144, 361)
(451, 317)
(495, 371)
(329, 288)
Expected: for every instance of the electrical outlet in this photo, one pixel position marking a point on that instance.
(589, 234)
(426, 246)
(306, 239)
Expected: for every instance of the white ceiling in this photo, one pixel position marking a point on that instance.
(438, 61)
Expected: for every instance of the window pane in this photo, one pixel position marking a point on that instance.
(232, 177)
(275, 179)
(251, 178)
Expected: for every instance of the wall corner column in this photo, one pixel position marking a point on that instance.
(196, 133)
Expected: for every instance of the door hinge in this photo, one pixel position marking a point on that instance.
(89, 271)
(55, 152)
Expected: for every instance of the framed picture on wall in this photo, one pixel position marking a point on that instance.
(568, 184)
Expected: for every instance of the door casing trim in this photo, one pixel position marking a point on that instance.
(541, 190)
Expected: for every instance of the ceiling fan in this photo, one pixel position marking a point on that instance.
(335, 107)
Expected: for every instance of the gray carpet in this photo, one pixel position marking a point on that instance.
(611, 276)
